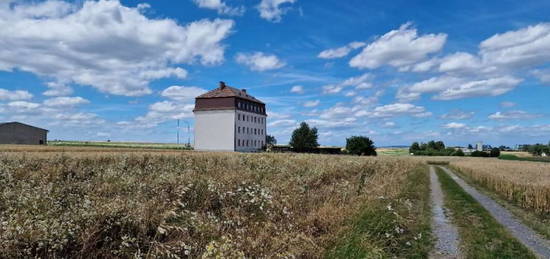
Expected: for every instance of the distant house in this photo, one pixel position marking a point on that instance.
(19, 133)
(229, 119)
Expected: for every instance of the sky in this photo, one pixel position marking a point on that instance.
(395, 71)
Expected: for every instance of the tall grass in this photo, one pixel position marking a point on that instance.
(526, 184)
(186, 204)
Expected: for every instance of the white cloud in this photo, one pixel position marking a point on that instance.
(220, 6)
(542, 75)
(507, 104)
(450, 88)
(271, 10)
(459, 61)
(398, 48)
(312, 103)
(398, 109)
(389, 124)
(7, 95)
(23, 105)
(182, 93)
(359, 82)
(342, 51)
(258, 61)
(297, 89)
(77, 119)
(115, 49)
(65, 101)
(457, 115)
(515, 49)
(513, 115)
(282, 123)
(276, 115)
(486, 87)
(454, 125)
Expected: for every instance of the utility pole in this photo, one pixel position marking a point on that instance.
(188, 134)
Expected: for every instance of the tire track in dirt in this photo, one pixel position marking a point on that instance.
(443, 229)
(528, 237)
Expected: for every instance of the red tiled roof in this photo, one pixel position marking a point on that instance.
(228, 91)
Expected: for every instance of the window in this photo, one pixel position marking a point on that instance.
(247, 142)
(238, 142)
(239, 116)
(254, 131)
(238, 129)
(254, 119)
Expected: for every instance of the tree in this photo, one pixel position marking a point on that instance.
(360, 145)
(495, 152)
(414, 147)
(304, 139)
(270, 140)
(470, 146)
(458, 152)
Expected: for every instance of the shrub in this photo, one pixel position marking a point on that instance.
(479, 154)
(495, 152)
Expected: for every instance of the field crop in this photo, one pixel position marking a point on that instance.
(192, 204)
(526, 184)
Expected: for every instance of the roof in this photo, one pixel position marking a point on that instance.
(12, 122)
(228, 91)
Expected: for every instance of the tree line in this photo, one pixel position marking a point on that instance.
(437, 148)
(305, 140)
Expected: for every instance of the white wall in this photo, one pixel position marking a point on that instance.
(215, 130)
(243, 136)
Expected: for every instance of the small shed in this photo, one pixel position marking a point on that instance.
(20, 133)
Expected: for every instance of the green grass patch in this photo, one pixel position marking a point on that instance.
(392, 228)
(482, 236)
(517, 158)
(437, 162)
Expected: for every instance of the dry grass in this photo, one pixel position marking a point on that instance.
(177, 204)
(527, 184)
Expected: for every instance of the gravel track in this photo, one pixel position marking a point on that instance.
(528, 237)
(447, 234)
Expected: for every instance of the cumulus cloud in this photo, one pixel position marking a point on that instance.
(342, 51)
(542, 75)
(272, 10)
(398, 109)
(259, 61)
(359, 82)
(451, 88)
(103, 44)
(297, 89)
(312, 103)
(507, 104)
(220, 7)
(454, 125)
(7, 95)
(65, 101)
(513, 115)
(398, 48)
(283, 123)
(182, 93)
(457, 115)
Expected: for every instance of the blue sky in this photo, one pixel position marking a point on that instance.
(396, 71)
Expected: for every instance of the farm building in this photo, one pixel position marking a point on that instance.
(19, 133)
(229, 119)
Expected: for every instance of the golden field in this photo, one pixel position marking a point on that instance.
(78, 202)
(525, 183)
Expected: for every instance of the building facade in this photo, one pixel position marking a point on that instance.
(19, 133)
(229, 119)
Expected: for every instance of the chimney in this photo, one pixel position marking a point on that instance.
(244, 91)
(222, 85)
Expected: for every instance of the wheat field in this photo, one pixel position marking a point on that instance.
(525, 183)
(187, 204)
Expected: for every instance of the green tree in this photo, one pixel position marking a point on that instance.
(495, 152)
(304, 138)
(470, 146)
(270, 140)
(458, 152)
(360, 145)
(414, 147)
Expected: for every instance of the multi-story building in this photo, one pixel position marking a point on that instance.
(229, 119)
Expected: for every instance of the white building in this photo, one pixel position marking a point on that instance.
(228, 119)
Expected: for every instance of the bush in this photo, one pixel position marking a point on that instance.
(479, 154)
(458, 153)
(495, 152)
(359, 145)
